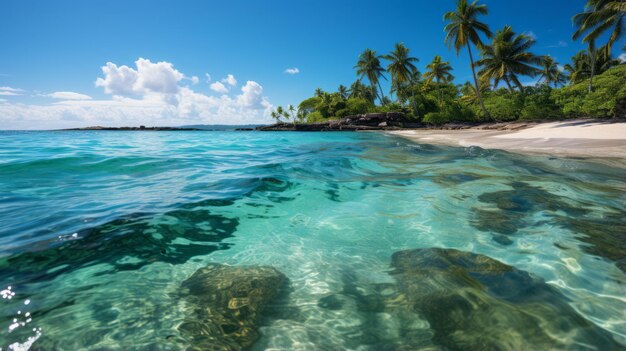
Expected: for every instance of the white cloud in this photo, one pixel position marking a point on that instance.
(150, 94)
(622, 57)
(252, 96)
(293, 70)
(69, 95)
(8, 91)
(560, 68)
(219, 87)
(148, 77)
(195, 80)
(14, 90)
(531, 34)
(230, 80)
(208, 77)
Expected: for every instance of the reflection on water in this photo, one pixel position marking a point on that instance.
(124, 241)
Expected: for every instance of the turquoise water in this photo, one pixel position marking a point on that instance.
(99, 229)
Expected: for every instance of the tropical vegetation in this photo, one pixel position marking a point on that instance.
(592, 84)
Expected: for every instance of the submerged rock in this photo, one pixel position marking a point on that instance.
(504, 212)
(473, 302)
(228, 302)
(509, 209)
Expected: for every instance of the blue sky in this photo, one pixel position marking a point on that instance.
(53, 49)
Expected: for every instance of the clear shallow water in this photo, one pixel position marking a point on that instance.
(99, 229)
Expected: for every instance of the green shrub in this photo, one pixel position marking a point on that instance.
(504, 105)
(436, 118)
(315, 116)
(607, 100)
(355, 106)
(539, 104)
(452, 112)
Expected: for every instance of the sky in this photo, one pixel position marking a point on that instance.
(125, 63)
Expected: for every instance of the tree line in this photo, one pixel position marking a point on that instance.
(497, 91)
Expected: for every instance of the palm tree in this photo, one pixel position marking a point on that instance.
(401, 67)
(464, 28)
(369, 66)
(292, 112)
(468, 92)
(598, 17)
(275, 115)
(319, 92)
(580, 68)
(507, 57)
(343, 91)
(438, 70)
(550, 72)
(359, 90)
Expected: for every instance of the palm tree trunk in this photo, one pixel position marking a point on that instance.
(508, 84)
(439, 91)
(592, 59)
(382, 95)
(414, 102)
(478, 94)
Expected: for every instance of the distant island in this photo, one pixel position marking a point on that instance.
(197, 127)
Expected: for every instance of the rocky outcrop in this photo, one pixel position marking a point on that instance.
(227, 303)
(473, 302)
(368, 121)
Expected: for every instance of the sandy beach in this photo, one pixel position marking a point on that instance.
(579, 138)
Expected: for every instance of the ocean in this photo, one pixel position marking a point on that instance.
(382, 241)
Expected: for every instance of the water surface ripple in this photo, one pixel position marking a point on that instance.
(98, 230)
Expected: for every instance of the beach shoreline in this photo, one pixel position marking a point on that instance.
(575, 138)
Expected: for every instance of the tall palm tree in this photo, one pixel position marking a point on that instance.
(401, 67)
(464, 28)
(580, 68)
(343, 91)
(369, 66)
(507, 57)
(359, 90)
(598, 17)
(468, 92)
(319, 92)
(438, 70)
(550, 72)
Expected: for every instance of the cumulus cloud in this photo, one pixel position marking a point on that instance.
(146, 94)
(230, 80)
(147, 77)
(293, 70)
(68, 95)
(195, 80)
(219, 87)
(8, 93)
(252, 96)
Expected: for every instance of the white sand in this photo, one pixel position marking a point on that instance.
(571, 130)
(580, 138)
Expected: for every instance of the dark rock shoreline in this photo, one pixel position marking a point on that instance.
(369, 121)
(140, 128)
(398, 121)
